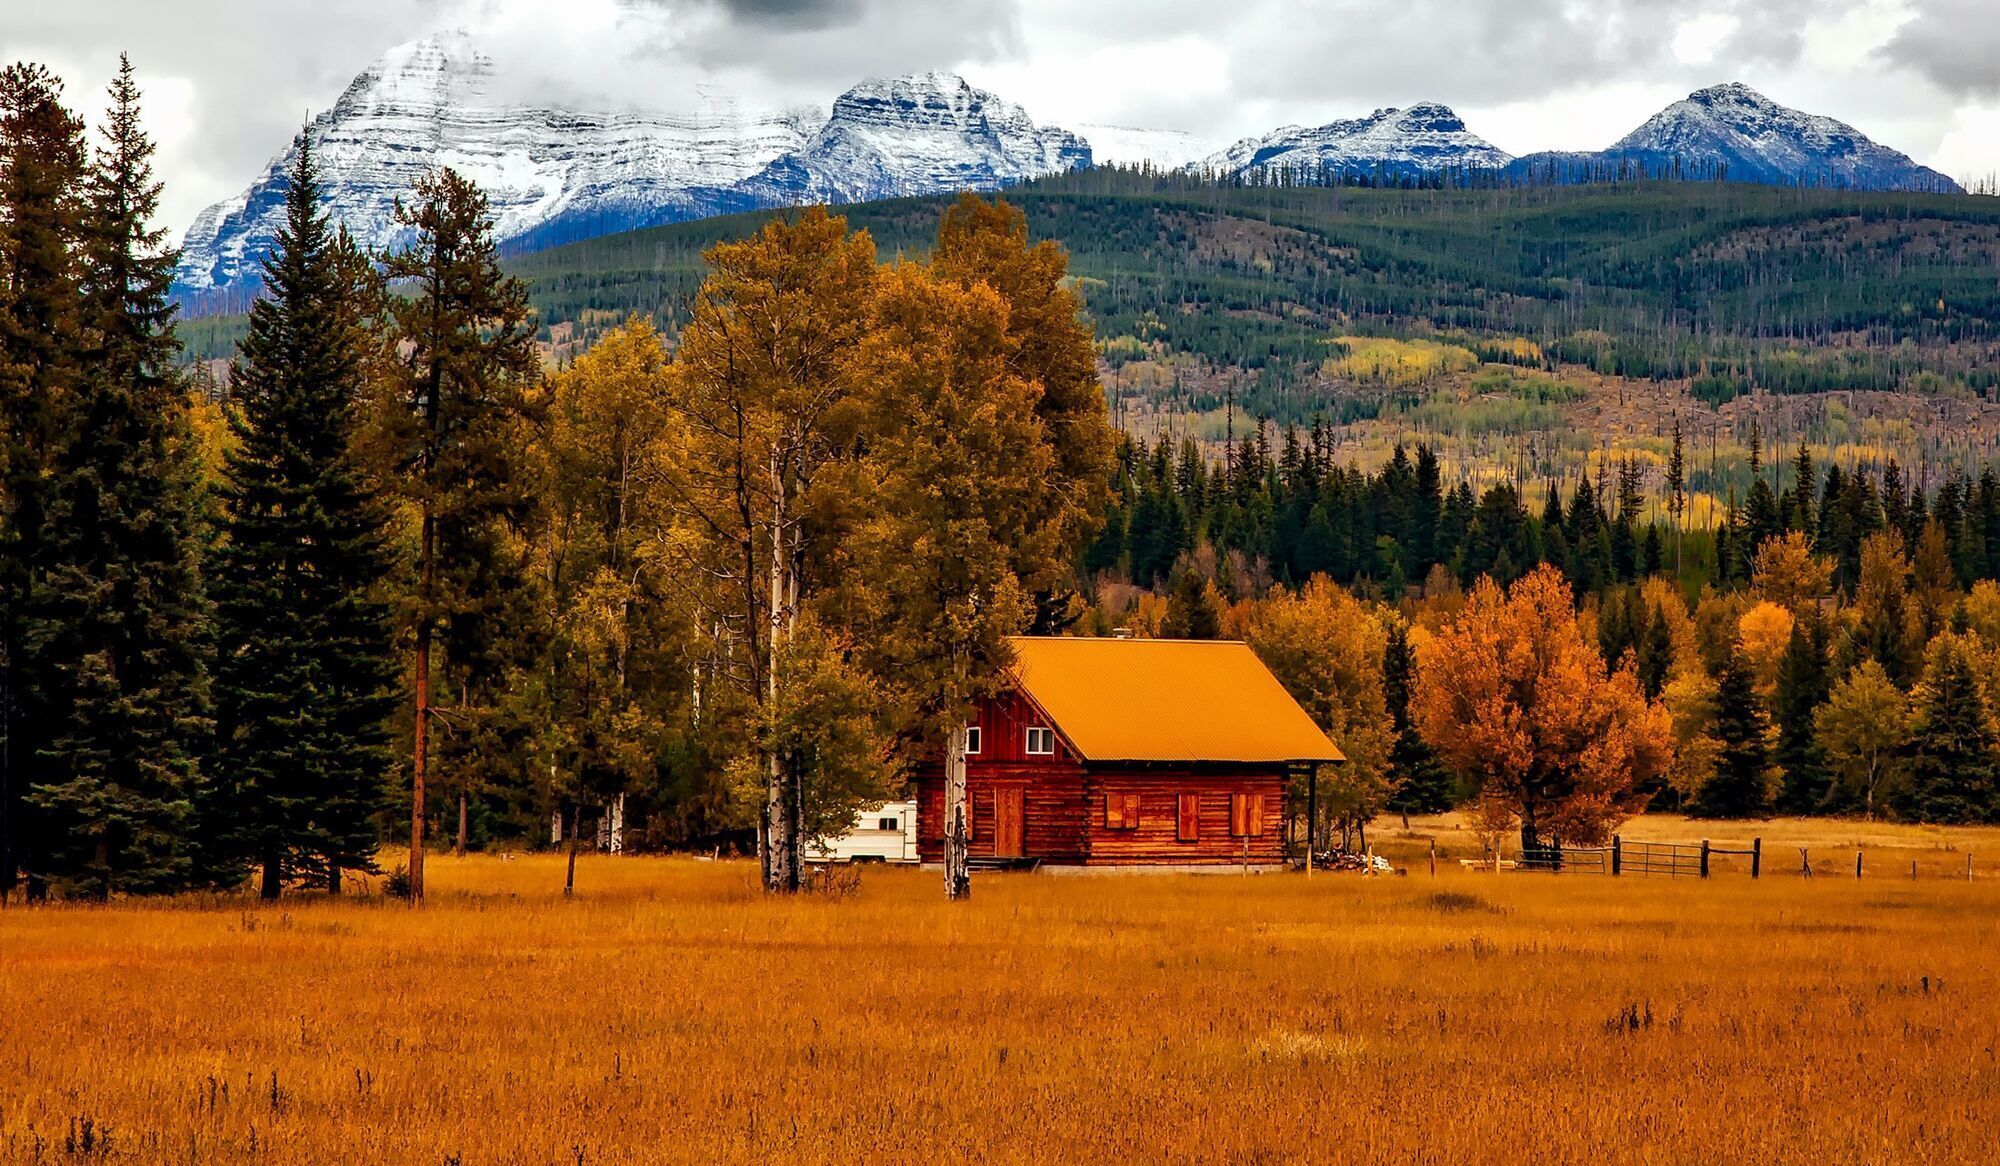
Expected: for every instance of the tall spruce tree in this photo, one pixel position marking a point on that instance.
(1804, 683)
(305, 666)
(119, 621)
(1952, 761)
(1423, 784)
(1740, 786)
(453, 434)
(42, 167)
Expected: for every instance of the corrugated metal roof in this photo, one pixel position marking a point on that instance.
(1166, 700)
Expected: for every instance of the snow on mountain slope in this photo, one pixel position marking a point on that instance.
(1762, 141)
(920, 134)
(433, 103)
(1423, 139)
(1132, 147)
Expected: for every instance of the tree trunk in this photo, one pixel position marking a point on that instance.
(459, 849)
(1531, 838)
(618, 824)
(104, 870)
(420, 762)
(274, 874)
(957, 834)
(332, 877)
(575, 827)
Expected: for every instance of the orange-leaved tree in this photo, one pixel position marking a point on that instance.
(1513, 696)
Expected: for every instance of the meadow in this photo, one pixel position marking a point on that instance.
(671, 1013)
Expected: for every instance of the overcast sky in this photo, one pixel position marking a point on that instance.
(229, 81)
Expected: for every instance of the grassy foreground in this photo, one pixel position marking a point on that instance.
(672, 1014)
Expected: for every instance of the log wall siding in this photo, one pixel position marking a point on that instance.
(1064, 813)
(1156, 840)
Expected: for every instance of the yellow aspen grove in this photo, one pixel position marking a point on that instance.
(758, 410)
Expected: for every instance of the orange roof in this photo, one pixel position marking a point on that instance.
(1166, 700)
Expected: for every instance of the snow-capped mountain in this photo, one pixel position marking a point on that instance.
(556, 174)
(920, 134)
(1752, 139)
(435, 102)
(1423, 139)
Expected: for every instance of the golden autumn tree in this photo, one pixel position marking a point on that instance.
(761, 405)
(948, 543)
(1514, 697)
(1326, 647)
(615, 662)
(1787, 573)
(1049, 345)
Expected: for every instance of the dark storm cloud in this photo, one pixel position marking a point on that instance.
(1954, 43)
(806, 14)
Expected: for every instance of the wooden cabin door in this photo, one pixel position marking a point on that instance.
(1009, 832)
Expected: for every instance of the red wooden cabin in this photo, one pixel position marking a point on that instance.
(1113, 752)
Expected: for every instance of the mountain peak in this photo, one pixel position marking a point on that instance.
(1422, 139)
(1759, 140)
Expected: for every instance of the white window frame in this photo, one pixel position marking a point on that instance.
(973, 740)
(1048, 736)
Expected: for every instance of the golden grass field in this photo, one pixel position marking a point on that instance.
(670, 1013)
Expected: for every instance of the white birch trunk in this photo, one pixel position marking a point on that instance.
(957, 813)
(618, 825)
(780, 843)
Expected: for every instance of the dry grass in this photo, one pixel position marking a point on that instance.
(671, 1014)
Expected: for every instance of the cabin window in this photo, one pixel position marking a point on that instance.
(1246, 815)
(971, 740)
(1121, 811)
(1041, 741)
(1187, 821)
(888, 824)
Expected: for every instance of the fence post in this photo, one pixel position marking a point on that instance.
(1756, 856)
(1434, 858)
(1805, 863)
(1618, 854)
(1704, 858)
(1857, 864)
(1968, 867)
(1913, 870)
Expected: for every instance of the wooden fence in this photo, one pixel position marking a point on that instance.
(1651, 859)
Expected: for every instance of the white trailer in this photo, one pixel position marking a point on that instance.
(884, 833)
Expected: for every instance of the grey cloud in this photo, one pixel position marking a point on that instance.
(1955, 44)
(1484, 53)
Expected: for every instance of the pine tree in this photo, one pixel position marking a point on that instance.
(1424, 785)
(1951, 771)
(1804, 683)
(42, 168)
(1677, 492)
(305, 667)
(120, 620)
(1740, 786)
(1191, 610)
(453, 434)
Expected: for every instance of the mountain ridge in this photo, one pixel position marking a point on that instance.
(558, 173)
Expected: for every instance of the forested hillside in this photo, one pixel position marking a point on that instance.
(1730, 286)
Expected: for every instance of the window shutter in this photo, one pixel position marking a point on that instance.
(1188, 821)
(1255, 825)
(1237, 815)
(1114, 811)
(1131, 811)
